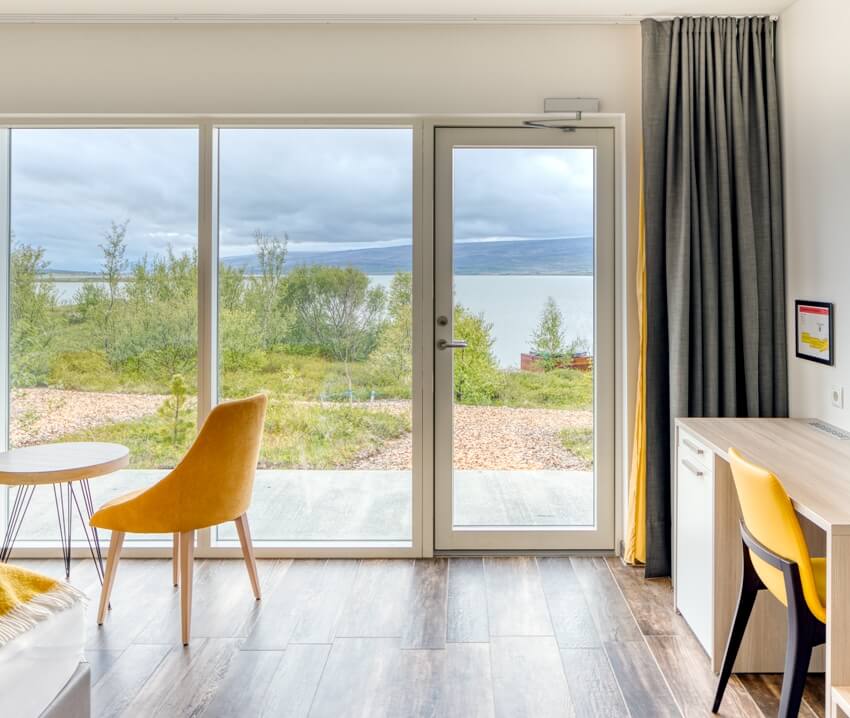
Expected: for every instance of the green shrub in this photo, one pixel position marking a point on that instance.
(81, 370)
(477, 379)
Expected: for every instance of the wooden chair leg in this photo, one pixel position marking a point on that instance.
(187, 555)
(115, 543)
(248, 553)
(175, 559)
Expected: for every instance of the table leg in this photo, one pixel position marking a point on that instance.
(93, 540)
(837, 614)
(63, 516)
(23, 495)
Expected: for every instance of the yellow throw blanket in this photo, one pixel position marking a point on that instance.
(27, 597)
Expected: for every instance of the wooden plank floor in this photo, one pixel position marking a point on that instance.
(466, 637)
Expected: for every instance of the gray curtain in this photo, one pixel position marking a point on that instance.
(715, 298)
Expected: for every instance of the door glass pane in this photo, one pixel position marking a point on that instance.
(523, 260)
(103, 300)
(314, 301)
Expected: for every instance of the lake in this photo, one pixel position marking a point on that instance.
(511, 303)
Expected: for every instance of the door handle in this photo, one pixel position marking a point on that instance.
(454, 344)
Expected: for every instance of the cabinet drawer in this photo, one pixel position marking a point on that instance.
(694, 450)
(695, 548)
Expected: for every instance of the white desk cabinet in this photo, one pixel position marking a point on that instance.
(694, 548)
(707, 540)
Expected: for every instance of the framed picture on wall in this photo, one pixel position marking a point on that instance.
(813, 322)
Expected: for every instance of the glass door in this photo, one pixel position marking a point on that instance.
(524, 338)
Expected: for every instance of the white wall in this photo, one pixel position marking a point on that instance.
(814, 53)
(315, 68)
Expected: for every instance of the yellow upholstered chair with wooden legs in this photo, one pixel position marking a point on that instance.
(776, 559)
(212, 484)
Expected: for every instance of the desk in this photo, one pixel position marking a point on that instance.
(60, 465)
(814, 467)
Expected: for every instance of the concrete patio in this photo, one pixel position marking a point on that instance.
(357, 506)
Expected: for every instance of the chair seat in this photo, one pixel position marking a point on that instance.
(120, 514)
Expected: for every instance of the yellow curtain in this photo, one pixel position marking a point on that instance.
(635, 549)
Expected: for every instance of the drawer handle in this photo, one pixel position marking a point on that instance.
(693, 469)
(693, 447)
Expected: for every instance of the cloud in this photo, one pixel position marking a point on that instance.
(523, 192)
(336, 188)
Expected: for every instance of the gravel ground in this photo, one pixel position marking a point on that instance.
(495, 437)
(40, 415)
(486, 437)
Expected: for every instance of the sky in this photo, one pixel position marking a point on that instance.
(326, 189)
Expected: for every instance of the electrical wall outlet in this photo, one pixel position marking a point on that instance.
(837, 394)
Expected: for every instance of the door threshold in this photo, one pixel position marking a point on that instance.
(475, 553)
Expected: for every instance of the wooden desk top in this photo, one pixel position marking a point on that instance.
(58, 463)
(813, 466)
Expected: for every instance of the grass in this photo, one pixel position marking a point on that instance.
(296, 436)
(557, 389)
(579, 442)
(302, 377)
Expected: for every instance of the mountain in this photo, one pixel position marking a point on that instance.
(521, 256)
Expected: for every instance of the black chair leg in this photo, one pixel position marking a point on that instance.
(798, 654)
(750, 586)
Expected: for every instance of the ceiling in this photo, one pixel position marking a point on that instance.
(446, 10)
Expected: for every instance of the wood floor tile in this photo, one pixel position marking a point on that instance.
(611, 614)
(222, 602)
(100, 662)
(467, 614)
(528, 678)
(281, 609)
(360, 679)
(572, 620)
(593, 687)
(692, 682)
(466, 687)
(466, 637)
(516, 604)
(766, 689)
(644, 689)
(293, 687)
(322, 606)
(142, 596)
(117, 689)
(186, 680)
(379, 600)
(243, 690)
(425, 618)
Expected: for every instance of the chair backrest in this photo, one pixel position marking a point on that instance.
(215, 478)
(770, 517)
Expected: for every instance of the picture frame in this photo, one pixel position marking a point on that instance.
(813, 331)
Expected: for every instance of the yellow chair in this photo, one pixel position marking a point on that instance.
(212, 484)
(776, 558)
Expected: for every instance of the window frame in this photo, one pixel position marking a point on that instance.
(423, 128)
(207, 237)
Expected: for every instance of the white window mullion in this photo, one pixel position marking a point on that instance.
(5, 262)
(207, 283)
(5, 309)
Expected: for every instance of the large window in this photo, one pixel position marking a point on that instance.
(315, 309)
(103, 299)
(461, 400)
